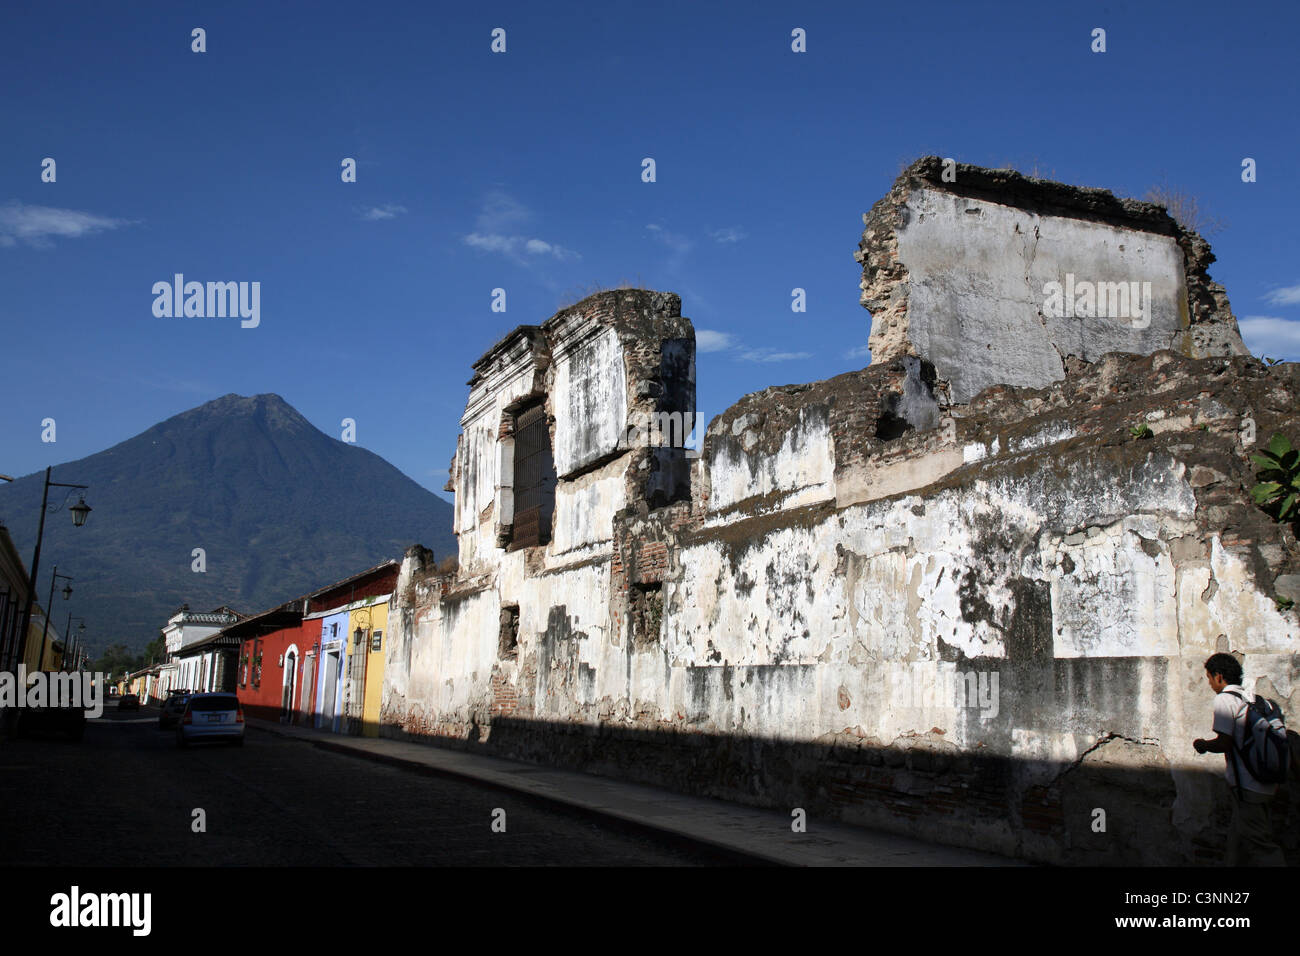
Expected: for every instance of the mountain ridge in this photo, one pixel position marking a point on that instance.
(278, 507)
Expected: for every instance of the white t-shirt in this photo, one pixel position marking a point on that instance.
(1230, 718)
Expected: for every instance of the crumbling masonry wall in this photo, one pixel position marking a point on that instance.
(954, 270)
(975, 621)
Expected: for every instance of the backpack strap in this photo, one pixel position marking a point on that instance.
(1236, 757)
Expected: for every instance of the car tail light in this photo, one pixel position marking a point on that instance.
(239, 715)
(188, 718)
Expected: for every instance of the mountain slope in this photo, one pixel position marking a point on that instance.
(278, 507)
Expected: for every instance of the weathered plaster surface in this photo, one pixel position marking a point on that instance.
(955, 269)
(590, 390)
(974, 621)
(801, 467)
(978, 270)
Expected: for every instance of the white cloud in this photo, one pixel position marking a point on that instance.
(1272, 336)
(518, 247)
(711, 340)
(36, 225)
(386, 211)
(1286, 296)
(730, 234)
(679, 244)
(499, 222)
(771, 355)
(707, 340)
(488, 243)
(861, 352)
(501, 213)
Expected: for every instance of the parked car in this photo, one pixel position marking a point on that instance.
(172, 709)
(128, 702)
(211, 717)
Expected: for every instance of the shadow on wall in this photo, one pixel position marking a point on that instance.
(1089, 814)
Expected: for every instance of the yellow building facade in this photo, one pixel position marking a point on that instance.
(44, 650)
(372, 618)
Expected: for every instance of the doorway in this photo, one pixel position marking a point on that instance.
(307, 697)
(286, 696)
(330, 665)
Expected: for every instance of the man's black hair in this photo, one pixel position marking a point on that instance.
(1226, 666)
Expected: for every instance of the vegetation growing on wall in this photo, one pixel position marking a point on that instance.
(1278, 491)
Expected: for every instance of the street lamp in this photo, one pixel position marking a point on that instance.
(79, 512)
(49, 609)
(68, 638)
(363, 627)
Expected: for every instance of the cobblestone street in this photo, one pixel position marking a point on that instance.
(126, 795)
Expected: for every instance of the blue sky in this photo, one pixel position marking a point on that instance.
(522, 171)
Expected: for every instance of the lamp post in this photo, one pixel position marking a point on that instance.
(79, 512)
(49, 609)
(67, 639)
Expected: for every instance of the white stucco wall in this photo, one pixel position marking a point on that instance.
(802, 467)
(590, 399)
(977, 271)
(584, 508)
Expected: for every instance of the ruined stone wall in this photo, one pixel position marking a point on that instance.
(977, 622)
(499, 635)
(1072, 578)
(957, 270)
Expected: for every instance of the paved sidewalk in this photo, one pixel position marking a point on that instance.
(761, 835)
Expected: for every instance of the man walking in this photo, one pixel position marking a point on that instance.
(1250, 836)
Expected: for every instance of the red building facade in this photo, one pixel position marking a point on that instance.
(279, 648)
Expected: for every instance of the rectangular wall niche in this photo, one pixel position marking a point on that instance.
(534, 479)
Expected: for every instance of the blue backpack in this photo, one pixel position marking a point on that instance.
(1263, 750)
